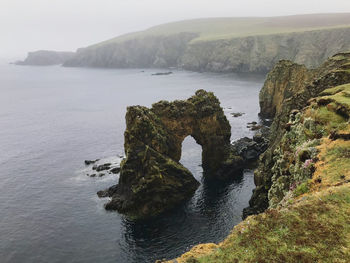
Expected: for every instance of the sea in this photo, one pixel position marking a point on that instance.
(53, 118)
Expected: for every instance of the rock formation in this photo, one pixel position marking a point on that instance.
(46, 58)
(152, 179)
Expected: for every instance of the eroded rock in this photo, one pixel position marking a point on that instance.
(151, 178)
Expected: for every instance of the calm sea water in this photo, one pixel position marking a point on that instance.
(53, 118)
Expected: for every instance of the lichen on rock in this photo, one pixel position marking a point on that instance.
(151, 178)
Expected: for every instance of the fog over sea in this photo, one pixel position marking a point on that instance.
(53, 118)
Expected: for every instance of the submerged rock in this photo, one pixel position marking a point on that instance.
(162, 73)
(151, 178)
(102, 167)
(237, 114)
(88, 162)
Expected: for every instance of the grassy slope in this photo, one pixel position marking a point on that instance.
(226, 28)
(314, 224)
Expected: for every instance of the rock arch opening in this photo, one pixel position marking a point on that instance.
(191, 157)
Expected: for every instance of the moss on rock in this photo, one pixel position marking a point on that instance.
(151, 179)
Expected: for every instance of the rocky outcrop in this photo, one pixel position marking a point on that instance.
(151, 178)
(285, 80)
(251, 149)
(255, 53)
(293, 96)
(46, 58)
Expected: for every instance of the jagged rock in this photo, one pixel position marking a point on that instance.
(250, 149)
(151, 178)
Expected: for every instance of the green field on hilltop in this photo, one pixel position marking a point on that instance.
(226, 28)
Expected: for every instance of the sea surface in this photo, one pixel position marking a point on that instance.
(53, 118)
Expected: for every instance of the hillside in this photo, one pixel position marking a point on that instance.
(303, 179)
(232, 27)
(224, 44)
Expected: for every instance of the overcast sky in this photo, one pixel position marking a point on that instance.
(27, 25)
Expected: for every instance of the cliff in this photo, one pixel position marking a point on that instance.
(46, 58)
(224, 44)
(303, 179)
(290, 86)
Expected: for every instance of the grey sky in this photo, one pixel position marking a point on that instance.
(27, 25)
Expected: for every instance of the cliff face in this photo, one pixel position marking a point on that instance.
(46, 58)
(260, 53)
(239, 54)
(144, 52)
(303, 179)
(285, 79)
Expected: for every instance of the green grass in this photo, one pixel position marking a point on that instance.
(315, 230)
(329, 118)
(336, 165)
(301, 189)
(227, 28)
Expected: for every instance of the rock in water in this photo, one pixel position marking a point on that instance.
(151, 178)
(162, 73)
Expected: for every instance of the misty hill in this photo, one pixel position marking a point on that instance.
(224, 44)
(46, 58)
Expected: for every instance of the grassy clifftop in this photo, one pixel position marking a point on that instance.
(232, 27)
(308, 219)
